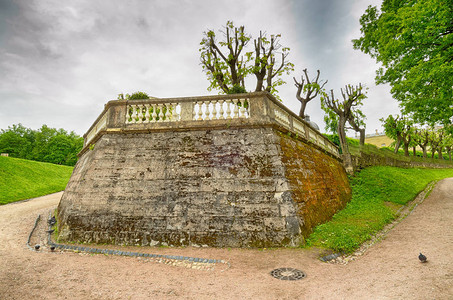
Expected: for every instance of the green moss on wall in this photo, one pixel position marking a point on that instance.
(319, 183)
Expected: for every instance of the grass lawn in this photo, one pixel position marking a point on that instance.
(24, 179)
(377, 194)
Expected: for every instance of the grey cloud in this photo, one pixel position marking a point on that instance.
(61, 61)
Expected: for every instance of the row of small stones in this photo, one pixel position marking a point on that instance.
(181, 261)
(136, 254)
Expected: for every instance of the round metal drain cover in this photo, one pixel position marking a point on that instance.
(288, 274)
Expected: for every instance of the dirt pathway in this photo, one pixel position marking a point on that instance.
(388, 270)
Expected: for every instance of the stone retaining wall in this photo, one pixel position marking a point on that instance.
(207, 172)
(233, 187)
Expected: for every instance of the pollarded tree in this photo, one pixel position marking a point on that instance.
(352, 97)
(448, 143)
(357, 122)
(223, 61)
(413, 40)
(406, 135)
(331, 120)
(311, 90)
(266, 65)
(400, 129)
(227, 69)
(421, 138)
(435, 142)
(393, 128)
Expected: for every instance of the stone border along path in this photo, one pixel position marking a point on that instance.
(182, 261)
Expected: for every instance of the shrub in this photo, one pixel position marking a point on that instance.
(134, 96)
(237, 89)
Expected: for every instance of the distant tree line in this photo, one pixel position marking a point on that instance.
(45, 144)
(410, 135)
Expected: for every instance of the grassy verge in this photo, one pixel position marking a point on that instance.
(377, 194)
(23, 179)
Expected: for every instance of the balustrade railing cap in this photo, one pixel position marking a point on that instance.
(266, 96)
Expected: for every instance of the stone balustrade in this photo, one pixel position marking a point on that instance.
(192, 113)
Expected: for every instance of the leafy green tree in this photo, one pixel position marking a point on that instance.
(42, 139)
(46, 144)
(17, 141)
(227, 62)
(413, 39)
(310, 89)
(352, 97)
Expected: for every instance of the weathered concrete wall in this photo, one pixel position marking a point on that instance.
(232, 187)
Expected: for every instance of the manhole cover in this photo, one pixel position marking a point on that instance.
(288, 274)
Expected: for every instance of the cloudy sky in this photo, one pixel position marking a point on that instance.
(61, 61)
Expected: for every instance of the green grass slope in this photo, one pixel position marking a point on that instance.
(24, 179)
(377, 194)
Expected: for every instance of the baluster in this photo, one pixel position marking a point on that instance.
(154, 115)
(146, 113)
(140, 113)
(194, 113)
(167, 113)
(174, 113)
(221, 109)
(206, 110)
(161, 113)
(171, 112)
(242, 110)
(214, 110)
(235, 109)
(134, 114)
(128, 116)
(228, 111)
(209, 114)
(200, 111)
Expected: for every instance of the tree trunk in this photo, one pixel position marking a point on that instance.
(439, 151)
(362, 136)
(259, 83)
(424, 151)
(414, 151)
(406, 149)
(302, 109)
(397, 144)
(347, 160)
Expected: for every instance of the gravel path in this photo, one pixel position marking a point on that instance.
(388, 270)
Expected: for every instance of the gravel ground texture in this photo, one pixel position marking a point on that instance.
(389, 269)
